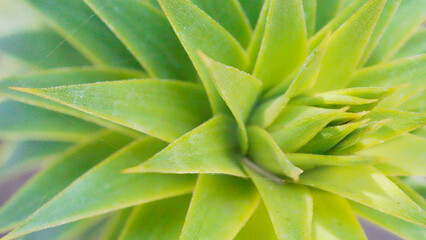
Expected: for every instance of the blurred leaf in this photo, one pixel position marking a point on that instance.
(42, 48)
(252, 9)
(162, 108)
(23, 121)
(409, 16)
(197, 31)
(210, 148)
(74, 20)
(333, 218)
(310, 10)
(230, 15)
(285, 16)
(366, 185)
(157, 220)
(291, 216)
(346, 47)
(415, 45)
(53, 179)
(148, 35)
(115, 224)
(257, 37)
(238, 89)
(259, 226)
(266, 153)
(219, 208)
(395, 225)
(104, 188)
(66, 76)
(326, 10)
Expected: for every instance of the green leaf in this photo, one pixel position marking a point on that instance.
(310, 10)
(289, 205)
(366, 185)
(265, 152)
(115, 224)
(329, 137)
(257, 37)
(238, 89)
(411, 192)
(305, 78)
(409, 16)
(219, 208)
(405, 155)
(418, 184)
(23, 121)
(28, 155)
(148, 35)
(281, 53)
(74, 20)
(406, 71)
(385, 18)
(415, 45)
(297, 125)
(210, 148)
(333, 218)
(326, 11)
(57, 176)
(259, 226)
(157, 220)
(252, 9)
(308, 161)
(346, 47)
(416, 103)
(41, 48)
(230, 15)
(395, 225)
(103, 189)
(197, 31)
(66, 76)
(164, 109)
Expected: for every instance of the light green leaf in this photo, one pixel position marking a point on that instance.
(219, 208)
(157, 220)
(57, 176)
(305, 78)
(230, 15)
(289, 205)
(405, 155)
(410, 71)
(197, 31)
(328, 100)
(416, 103)
(346, 47)
(104, 188)
(164, 109)
(284, 17)
(74, 20)
(411, 192)
(252, 9)
(259, 226)
(66, 76)
(395, 225)
(41, 48)
(297, 125)
(308, 161)
(366, 185)
(210, 148)
(415, 45)
(409, 16)
(346, 117)
(238, 89)
(266, 153)
(23, 121)
(418, 184)
(326, 11)
(333, 218)
(310, 10)
(257, 37)
(115, 224)
(148, 35)
(329, 137)
(28, 155)
(383, 22)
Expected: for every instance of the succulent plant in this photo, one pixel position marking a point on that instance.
(227, 119)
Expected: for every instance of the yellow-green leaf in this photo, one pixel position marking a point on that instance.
(259, 226)
(147, 34)
(210, 148)
(164, 109)
(310, 10)
(219, 208)
(289, 205)
(415, 45)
